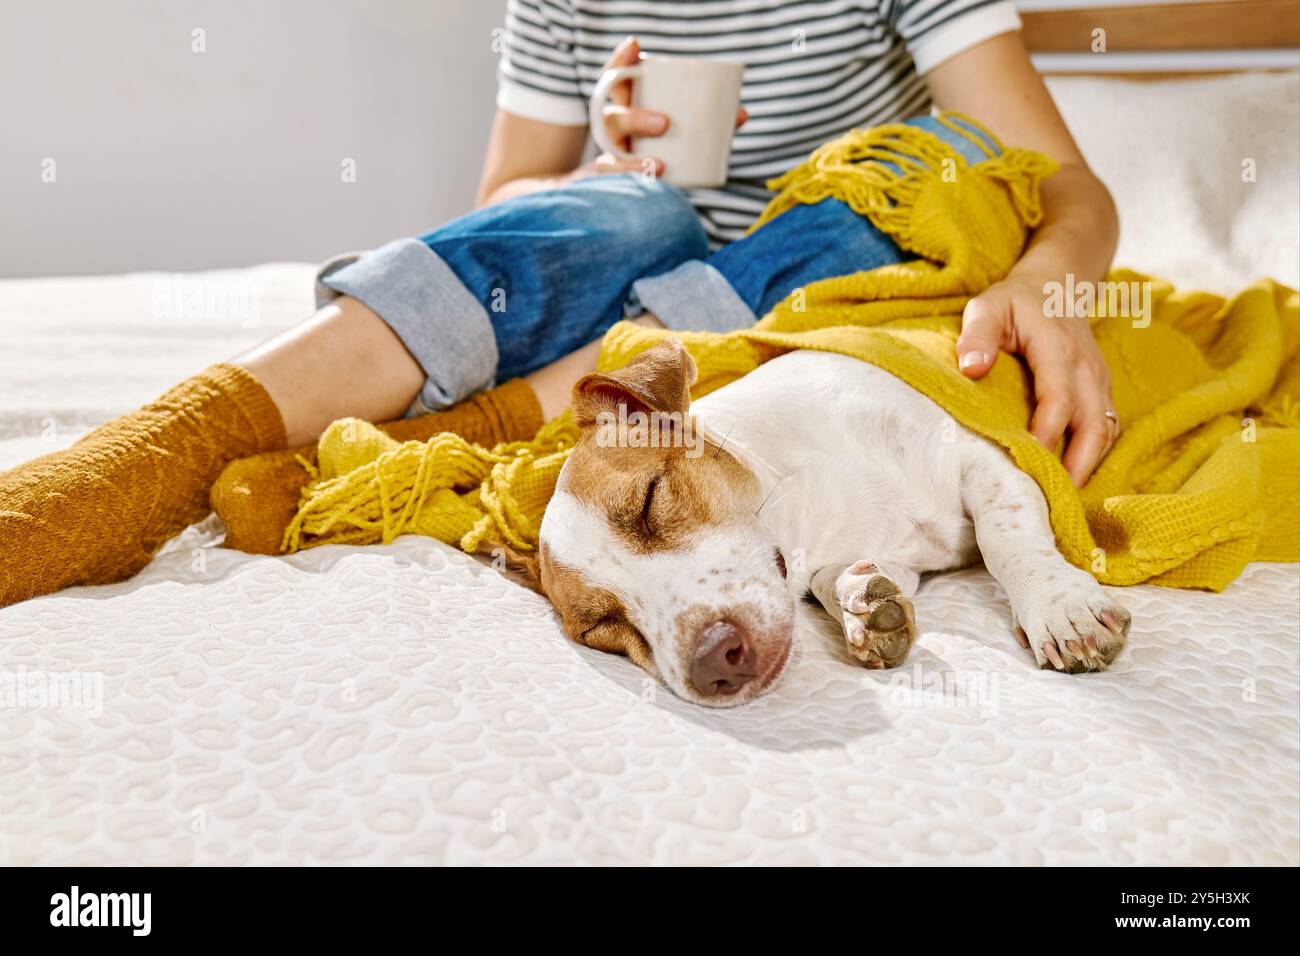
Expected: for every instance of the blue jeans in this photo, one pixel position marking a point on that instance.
(506, 290)
(743, 281)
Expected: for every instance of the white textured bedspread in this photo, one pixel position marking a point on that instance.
(406, 705)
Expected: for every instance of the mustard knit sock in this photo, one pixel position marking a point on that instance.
(257, 497)
(96, 512)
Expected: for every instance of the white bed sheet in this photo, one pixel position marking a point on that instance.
(404, 704)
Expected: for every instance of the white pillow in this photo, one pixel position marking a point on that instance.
(1172, 154)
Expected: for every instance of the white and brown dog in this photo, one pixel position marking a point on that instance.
(683, 534)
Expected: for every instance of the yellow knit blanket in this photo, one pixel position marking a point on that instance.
(1205, 477)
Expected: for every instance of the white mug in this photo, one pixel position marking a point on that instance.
(700, 98)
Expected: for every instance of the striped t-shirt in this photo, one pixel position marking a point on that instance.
(814, 69)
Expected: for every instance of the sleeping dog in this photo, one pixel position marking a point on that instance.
(683, 534)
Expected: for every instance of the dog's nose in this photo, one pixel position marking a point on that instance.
(724, 660)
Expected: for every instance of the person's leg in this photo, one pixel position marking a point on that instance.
(569, 294)
(342, 362)
(525, 283)
(258, 496)
(96, 512)
(524, 289)
(522, 284)
(553, 385)
(738, 283)
(743, 281)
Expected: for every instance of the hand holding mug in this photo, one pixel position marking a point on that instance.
(697, 152)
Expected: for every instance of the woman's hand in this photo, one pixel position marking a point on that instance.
(1077, 235)
(1071, 381)
(624, 121)
(526, 156)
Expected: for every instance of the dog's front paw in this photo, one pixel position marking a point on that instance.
(1073, 627)
(879, 622)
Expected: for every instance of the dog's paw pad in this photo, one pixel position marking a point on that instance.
(879, 623)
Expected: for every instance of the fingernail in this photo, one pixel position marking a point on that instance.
(657, 122)
(972, 359)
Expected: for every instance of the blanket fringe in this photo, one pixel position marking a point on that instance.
(880, 173)
(446, 487)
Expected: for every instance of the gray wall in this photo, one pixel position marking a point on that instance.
(165, 158)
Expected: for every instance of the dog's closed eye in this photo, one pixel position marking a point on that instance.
(647, 525)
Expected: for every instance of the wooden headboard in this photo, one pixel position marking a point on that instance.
(1162, 36)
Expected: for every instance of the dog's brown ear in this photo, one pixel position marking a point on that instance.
(522, 568)
(618, 637)
(657, 380)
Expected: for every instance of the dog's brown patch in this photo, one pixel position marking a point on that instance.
(591, 616)
(691, 491)
(659, 379)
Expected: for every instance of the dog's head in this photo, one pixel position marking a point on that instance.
(650, 548)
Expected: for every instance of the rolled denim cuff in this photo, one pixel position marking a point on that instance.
(694, 297)
(442, 325)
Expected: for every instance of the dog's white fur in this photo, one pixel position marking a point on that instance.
(864, 485)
